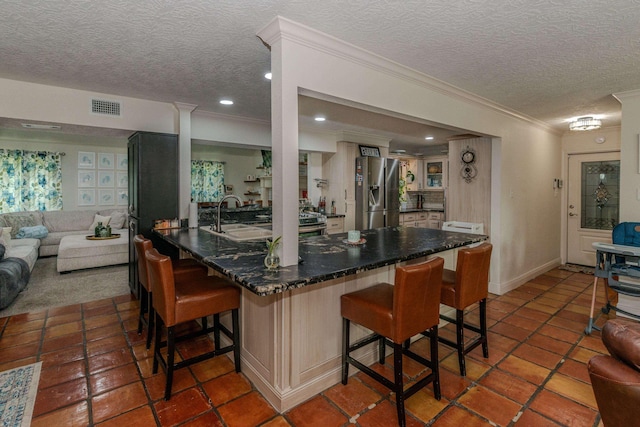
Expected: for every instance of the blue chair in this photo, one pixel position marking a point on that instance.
(626, 267)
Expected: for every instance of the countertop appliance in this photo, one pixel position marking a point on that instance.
(311, 224)
(377, 192)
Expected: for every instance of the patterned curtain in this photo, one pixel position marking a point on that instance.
(30, 180)
(207, 181)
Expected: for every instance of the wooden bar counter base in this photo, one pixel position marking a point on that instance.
(290, 318)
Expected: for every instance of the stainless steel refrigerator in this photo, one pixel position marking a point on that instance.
(377, 196)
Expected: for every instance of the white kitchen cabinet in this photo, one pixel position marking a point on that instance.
(335, 225)
(435, 172)
(339, 169)
(414, 169)
(435, 220)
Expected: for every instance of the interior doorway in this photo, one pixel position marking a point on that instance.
(593, 197)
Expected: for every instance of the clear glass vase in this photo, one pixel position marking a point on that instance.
(271, 261)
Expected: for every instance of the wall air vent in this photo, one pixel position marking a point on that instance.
(109, 108)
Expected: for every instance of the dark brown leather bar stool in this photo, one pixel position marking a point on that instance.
(616, 379)
(176, 303)
(183, 269)
(396, 313)
(467, 285)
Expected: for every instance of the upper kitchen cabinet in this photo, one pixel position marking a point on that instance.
(435, 172)
(414, 174)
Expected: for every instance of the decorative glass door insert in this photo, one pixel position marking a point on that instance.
(600, 198)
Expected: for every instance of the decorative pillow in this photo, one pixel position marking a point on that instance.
(5, 236)
(3, 250)
(35, 232)
(99, 218)
(118, 219)
(17, 220)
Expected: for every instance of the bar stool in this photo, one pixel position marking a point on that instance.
(395, 313)
(179, 302)
(183, 269)
(468, 284)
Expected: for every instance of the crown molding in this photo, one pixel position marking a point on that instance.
(281, 28)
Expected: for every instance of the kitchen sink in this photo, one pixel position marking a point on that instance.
(240, 232)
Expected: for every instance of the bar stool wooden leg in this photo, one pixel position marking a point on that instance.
(171, 350)
(151, 321)
(399, 382)
(483, 328)
(235, 319)
(216, 330)
(460, 341)
(345, 349)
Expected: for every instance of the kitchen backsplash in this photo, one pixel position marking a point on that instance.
(429, 199)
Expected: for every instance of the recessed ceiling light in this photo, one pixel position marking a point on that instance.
(320, 119)
(428, 138)
(268, 76)
(226, 102)
(37, 126)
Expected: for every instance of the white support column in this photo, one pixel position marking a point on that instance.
(284, 145)
(184, 155)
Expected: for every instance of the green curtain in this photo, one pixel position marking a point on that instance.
(207, 181)
(30, 180)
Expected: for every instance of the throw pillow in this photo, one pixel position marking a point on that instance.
(99, 218)
(18, 220)
(35, 232)
(118, 219)
(5, 236)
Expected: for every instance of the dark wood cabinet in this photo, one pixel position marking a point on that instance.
(153, 190)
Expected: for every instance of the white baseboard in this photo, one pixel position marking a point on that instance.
(503, 288)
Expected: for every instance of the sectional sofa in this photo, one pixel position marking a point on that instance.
(63, 234)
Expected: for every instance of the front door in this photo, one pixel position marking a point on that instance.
(593, 203)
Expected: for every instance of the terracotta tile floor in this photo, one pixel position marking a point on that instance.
(96, 371)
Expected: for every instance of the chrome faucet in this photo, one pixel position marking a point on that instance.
(218, 227)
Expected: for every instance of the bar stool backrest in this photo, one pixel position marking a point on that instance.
(472, 275)
(142, 246)
(162, 285)
(416, 298)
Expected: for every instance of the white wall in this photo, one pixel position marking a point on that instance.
(629, 167)
(30, 101)
(71, 145)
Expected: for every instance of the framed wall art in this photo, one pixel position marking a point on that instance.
(86, 160)
(122, 180)
(123, 198)
(86, 197)
(122, 162)
(86, 178)
(105, 161)
(106, 179)
(105, 197)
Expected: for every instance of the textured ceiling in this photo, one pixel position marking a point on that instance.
(550, 59)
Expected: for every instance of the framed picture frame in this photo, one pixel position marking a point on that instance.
(123, 198)
(122, 180)
(86, 160)
(106, 179)
(122, 162)
(105, 161)
(86, 178)
(368, 151)
(86, 197)
(106, 198)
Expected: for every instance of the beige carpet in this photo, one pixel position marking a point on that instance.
(47, 288)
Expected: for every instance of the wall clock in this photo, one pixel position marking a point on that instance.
(468, 159)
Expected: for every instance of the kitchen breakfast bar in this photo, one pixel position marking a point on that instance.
(290, 318)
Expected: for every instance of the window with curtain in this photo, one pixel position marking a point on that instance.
(30, 180)
(207, 181)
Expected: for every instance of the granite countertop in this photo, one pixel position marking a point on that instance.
(324, 257)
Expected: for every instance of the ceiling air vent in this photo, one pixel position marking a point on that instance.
(109, 108)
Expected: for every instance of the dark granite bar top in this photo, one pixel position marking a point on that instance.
(323, 257)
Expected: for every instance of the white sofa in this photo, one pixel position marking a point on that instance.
(78, 252)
